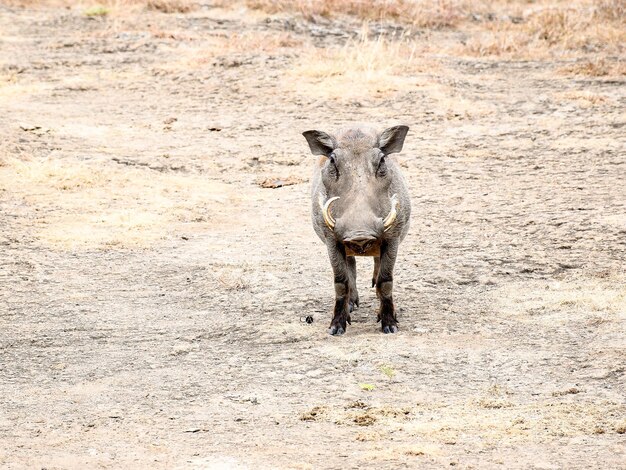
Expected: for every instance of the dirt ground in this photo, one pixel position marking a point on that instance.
(153, 282)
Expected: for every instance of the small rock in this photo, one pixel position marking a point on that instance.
(180, 349)
(274, 183)
(29, 128)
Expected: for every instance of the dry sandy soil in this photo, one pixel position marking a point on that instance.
(152, 288)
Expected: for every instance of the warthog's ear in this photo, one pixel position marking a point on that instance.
(320, 142)
(391, 140)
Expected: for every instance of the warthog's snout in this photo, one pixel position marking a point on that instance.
(360, 244)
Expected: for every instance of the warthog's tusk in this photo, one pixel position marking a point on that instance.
(330, 221)
(393, 213)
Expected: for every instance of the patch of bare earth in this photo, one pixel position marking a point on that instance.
(157, 261)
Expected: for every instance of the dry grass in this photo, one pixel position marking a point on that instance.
(171, 6)
(517, 422)
(597, 67)
(515, 29)
(611, 10)
(428, 14)
(559, 303)
(373, 68)
(119, 7)
(380, 66)
(552, 27)
(552, 21)
(585, 99)
(90, 205)
(510, 29)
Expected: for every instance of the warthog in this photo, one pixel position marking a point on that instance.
(361, 207)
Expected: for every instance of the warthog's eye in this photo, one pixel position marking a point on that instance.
(333, 165)
(382, 167)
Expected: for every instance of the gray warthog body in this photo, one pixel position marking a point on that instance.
(361, 207)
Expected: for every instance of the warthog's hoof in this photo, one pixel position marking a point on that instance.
(339, 326)
(336, 330)
(354, 305)
(390, 329)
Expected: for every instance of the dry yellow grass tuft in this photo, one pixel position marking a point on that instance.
(598, 67)
(585, 99)
(612, 10)
(171, 6)
(380, 66)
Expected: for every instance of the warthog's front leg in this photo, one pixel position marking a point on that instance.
(376, 268)
(354, 293)
(384, 286)
(341, 271)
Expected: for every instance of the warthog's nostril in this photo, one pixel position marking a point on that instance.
(359, 244)
(361, 241)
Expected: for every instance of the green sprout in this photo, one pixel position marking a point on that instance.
(387, 370)
(98, 10)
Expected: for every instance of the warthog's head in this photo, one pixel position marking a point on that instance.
(356, 188)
